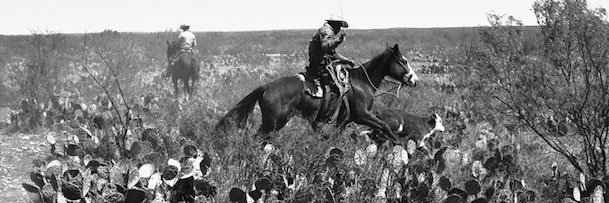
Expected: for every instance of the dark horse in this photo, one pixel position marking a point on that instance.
(285, 97)
(186, 68)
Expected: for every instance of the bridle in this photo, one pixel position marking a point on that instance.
(398, 85)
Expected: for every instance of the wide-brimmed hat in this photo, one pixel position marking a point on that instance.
(184, 26)
(337, 18)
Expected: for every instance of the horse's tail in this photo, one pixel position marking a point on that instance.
(239, 113)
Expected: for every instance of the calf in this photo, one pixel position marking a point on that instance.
(409, 126)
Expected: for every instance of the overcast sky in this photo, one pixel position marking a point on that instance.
(80, 16)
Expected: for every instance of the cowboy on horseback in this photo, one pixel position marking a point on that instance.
(322, 56)
(186, 41)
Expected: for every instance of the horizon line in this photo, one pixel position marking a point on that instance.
(242, 31)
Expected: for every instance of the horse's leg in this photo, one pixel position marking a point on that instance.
(275, 116)
(175, 87)
(270, 118)
(192, 86)
(343, 117)
(271, 124)
(282, 121)
(187, 90)
(367, 118)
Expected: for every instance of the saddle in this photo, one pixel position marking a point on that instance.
(336, 76)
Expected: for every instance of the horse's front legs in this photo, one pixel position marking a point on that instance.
(192, 87)
(175, 87)
(187, 88)
(367, 118)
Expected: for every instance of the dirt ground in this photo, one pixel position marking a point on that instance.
(17, 151)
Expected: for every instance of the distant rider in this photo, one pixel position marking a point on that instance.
(186, 41)
(322, 53)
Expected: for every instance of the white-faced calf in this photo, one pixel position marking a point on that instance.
(409, 126)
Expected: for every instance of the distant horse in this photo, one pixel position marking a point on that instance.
(285, 97)
(186, 68)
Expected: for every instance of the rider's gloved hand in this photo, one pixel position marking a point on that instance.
(341, 36)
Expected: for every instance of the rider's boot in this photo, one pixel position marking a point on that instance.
(338, 102)
(323, 108)
(332, 107)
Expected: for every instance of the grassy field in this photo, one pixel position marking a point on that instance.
(233, 64)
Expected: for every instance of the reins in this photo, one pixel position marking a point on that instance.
(398, 85)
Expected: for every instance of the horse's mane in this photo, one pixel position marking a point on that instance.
(370, 65)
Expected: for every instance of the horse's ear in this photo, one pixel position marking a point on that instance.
(168, 44)
(396, 48)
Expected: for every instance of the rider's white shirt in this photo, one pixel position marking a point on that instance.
(187, 40)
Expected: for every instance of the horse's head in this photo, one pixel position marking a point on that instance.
(400, 69)
(171, 49)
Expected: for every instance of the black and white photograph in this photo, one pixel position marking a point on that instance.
(318, 101)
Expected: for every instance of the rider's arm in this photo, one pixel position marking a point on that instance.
(181, 38)
(329, 41)
(194, 40)
(344, 59)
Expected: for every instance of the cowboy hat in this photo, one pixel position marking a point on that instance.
(337, 18)
(184, 26)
